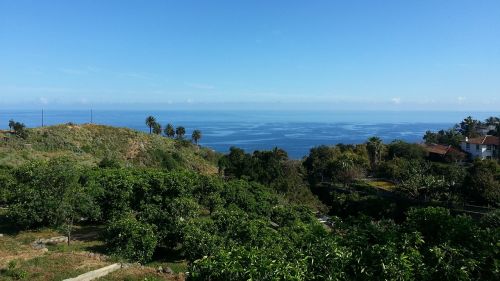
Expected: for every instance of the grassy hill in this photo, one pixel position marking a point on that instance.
(90, 144)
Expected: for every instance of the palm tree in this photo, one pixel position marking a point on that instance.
(492, 120)
(196, 136)
(150, 122)
(169, 130)
(157, 128)
(374, 147)
(180, 131)
(12, 123)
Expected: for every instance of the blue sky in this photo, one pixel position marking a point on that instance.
(396, 55)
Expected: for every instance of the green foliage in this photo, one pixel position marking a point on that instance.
(196, 136)
(113, 189)
(271, 168)
(346, 168)
(151, 123)
(169, 130)
(7, 185)
(240, 263)
(447, 137)
(109, 161)
(50, 194)
(468, 127)
(157, 129)
(131, 239)
(180, 132)
(482, 183)
(89, 144)
(14, 271)
(375, 149)
(340, 163)
(18, 128)
(401, 149)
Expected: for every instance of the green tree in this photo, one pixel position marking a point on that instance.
(180, 132)
(150, 122)
(402, 149)
(344, 169)
(11, 124)
(196, 136)
(19, 129)
(468, 127)
(492, 120)
(131, 239)
(317, 161)
(169, 130)
(50, 194)
(157, 129)
(430, 137)
(482, 182)
(375, 148)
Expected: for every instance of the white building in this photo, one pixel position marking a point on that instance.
(484, 147)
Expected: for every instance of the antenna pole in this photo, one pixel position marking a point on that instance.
(91, 117)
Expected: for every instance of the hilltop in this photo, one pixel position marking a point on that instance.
(91, 144)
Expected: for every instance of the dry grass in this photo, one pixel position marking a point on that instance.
(53, 266)
(18, 247)
(19, 261)
(386, 185)
(89, 144)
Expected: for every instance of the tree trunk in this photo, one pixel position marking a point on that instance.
(70, 226)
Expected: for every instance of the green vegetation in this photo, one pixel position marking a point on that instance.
(94, 144)
(254, 219)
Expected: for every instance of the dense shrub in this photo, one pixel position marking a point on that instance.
(7, 184)
(131, 239)
(50, 194)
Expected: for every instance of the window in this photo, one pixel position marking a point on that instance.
(488, 147)
(467, 146)
(478, 147)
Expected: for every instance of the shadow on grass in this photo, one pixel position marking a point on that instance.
(8, 227)
(88, 232)
(163, 254)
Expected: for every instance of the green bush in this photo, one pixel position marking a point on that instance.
(131, 239)
(50, 194)
(7, 184)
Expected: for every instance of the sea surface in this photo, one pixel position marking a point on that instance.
(295, 131)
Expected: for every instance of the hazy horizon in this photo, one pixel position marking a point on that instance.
(280, 55)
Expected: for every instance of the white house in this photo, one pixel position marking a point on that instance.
(484, 147)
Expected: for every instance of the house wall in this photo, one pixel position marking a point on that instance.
(482, 152)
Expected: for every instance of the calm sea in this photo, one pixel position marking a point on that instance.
(294, 131)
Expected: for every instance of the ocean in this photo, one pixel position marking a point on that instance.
(295, 131)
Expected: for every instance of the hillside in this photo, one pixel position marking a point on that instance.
(90, 144)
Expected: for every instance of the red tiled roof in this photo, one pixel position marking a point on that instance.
(441, 149)
(484, 140)
(437, 148)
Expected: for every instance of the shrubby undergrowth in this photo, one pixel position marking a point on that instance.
(241, 230)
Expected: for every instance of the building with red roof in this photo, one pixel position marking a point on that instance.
(483, 147)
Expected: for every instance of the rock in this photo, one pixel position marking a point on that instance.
(159, 269)
(40, 243)
(1, 235)
(168, 270)
(37, 245)
(44, 250)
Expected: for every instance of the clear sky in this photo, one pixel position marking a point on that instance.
(350, 54)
